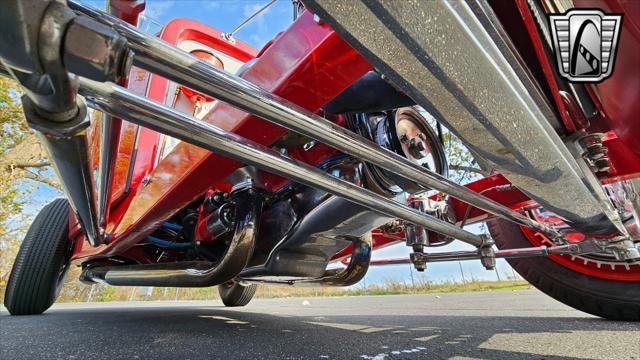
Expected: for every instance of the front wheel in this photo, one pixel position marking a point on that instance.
(235, 294)
(42, 262)
(604, 289)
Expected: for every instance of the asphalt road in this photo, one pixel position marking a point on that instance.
(490, 325)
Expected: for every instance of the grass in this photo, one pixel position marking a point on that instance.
(393, 288)
(74, 291)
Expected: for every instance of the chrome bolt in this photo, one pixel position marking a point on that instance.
(309, 145)
(146, 180)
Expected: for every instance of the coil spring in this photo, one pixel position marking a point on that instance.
(595, 153)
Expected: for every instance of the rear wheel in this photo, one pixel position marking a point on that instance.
(42, 262)
(607, 289)
(236, 294)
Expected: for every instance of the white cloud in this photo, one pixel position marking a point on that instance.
(250, 9)
(210, 4)
(259, 23)
(157, 8)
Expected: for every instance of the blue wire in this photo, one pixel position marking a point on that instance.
(172, 226)
(169, 244)
(176, 227)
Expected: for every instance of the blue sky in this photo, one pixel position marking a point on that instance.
(225, 16)
(222, 15)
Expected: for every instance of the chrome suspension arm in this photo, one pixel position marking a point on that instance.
(109, 130)
(570, 249)
(159, 57)
(120, 103)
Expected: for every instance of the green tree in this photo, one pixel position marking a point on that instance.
(463, 167)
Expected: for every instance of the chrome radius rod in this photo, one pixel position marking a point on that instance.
(570, 249)
(121, 103)
(157, 56)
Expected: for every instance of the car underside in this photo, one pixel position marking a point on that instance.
(190, 159)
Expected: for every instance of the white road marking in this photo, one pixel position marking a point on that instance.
(223, 318)
(426, 338)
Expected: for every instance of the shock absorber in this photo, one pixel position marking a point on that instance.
(417, 239)
(595, 153)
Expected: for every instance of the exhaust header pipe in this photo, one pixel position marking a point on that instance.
(354, 272)
(248, 208)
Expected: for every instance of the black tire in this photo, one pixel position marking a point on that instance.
(235, 294)
(610, 299)
(38, 272)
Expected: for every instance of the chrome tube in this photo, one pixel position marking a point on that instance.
(454, 59)
(119, 102)
(453, 255)
(71, 163)
(108, 145)
(571, 249)
(354, 272)
(66, 144)
(395, 261)
(157, 56)
(248, 205)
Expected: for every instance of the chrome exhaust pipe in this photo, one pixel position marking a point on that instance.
(119, 102)
(248, 208)
(454, 59)
(354, 272)
(159, 57)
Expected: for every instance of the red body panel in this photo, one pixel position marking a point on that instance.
(127, 10)
(513, 199)
(626, 164)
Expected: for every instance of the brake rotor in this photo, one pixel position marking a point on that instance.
(408, 133)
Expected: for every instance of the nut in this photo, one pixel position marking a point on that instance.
(95, 51)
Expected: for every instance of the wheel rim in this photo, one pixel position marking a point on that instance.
(612, 270)
(623, 196)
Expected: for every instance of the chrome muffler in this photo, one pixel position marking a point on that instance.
(455, 60)
(355, 270)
